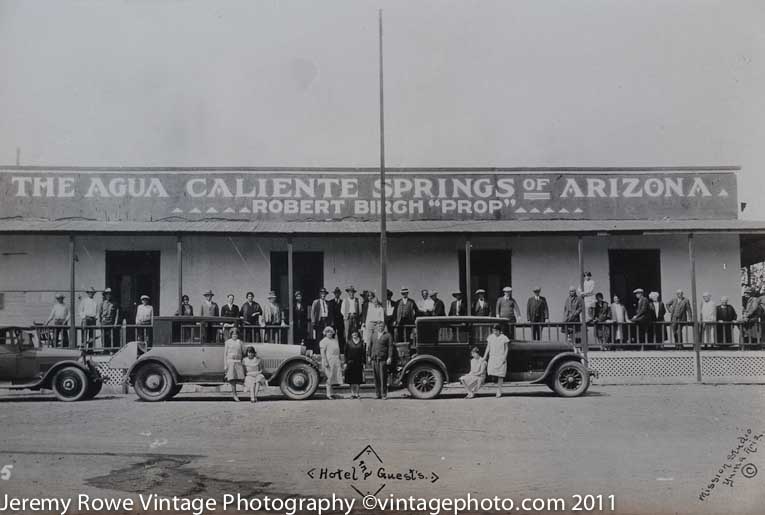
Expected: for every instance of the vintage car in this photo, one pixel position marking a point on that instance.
(189, 350)
(441, 353)
(26, 364)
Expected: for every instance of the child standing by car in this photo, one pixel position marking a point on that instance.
(497, 346)
(473, 380)
(254, 378)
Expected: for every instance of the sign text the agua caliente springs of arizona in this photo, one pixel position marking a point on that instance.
(354, 195)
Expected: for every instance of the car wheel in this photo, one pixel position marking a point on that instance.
(299, 381)
(94, 389)
(154, 382)
(425, 382)
(571, 379)
(70, 384)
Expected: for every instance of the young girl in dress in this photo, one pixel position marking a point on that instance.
(254, 378)
(497, 345)
(473, 380)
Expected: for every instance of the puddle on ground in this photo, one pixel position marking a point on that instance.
(167, 476)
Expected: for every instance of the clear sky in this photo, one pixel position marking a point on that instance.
(469, 83)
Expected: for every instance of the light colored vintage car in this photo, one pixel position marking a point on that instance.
(26, 365)
(189, 350)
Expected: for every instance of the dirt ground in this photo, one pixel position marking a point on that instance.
(655, 448)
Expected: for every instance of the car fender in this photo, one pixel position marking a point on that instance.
(553, 364)
(148, 358)
(275, 377)
(47, 379)
(424, 358)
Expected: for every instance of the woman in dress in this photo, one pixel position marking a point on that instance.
(331, 359)
(232, 357)
(473, 380)
(497, 345)
(254, 378)
(355, 357)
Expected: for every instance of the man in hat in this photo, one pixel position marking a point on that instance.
(439, 309)
(89, 317)
(108, 318)
(230, 309)
(335, 308)
(251, 314)
(751, 315)
(319, 318)
(588, 295)
(680, 311)
(272, 318)
(390, 311)
(426, 304)
(59, 315)
(458, 306)
(537, 312)
(508, 309)
(209, 307)
(481, 307)
(300, 320)
(406, 314)
(572, 314)
(351, 311)
(642, 315)
(144, 315)
(381, 356)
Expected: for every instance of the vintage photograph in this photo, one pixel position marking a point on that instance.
(355, 256)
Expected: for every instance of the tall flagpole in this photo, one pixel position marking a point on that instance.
(383, 296)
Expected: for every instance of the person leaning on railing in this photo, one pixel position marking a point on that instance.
(725, 314)
(59, 315)
(108, 315)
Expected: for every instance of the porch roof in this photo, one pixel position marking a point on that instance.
(212, 226)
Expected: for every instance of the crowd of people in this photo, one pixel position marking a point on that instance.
(647, 320)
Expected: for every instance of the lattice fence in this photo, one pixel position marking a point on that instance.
(115, 376)
(732, 366)
(643, 365)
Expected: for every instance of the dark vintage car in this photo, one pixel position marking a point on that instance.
(189, 350)
(25, 364)
(441, 353)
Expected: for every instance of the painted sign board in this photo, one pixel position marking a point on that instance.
(345, 194)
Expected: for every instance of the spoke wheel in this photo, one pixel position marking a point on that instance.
(571, 379)
(70, 384)
(154, 382)
(425, 382)
(299, 381)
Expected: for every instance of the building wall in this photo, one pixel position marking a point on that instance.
(237, 264)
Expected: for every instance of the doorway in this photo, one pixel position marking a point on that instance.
(131, 274)
(308, 275)
(631, 269)
(489, 269)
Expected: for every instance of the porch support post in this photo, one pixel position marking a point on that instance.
(468, 288)
(72, 312)
(580, 254)
(290, 287)
(694, 303)
(179, 258)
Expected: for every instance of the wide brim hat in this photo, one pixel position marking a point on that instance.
(107, 290)
(298, 292)
(208, 292)
(350, 288)
(323, 290)
(90, 290)
(60, 295)
(507, 288)
(145, 297)
(638, 290)
(456, 294)
(337, 290)
(537, 288)
(479, 291)
(271, 295)
(404, 290)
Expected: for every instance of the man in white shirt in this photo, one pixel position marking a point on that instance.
(708, 317)
(144, 315)
(426, 304)
(351, 311)
(89, 316)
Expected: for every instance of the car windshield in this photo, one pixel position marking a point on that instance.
(200, 333)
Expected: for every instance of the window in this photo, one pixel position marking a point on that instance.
(438, 333)
(207, 333)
